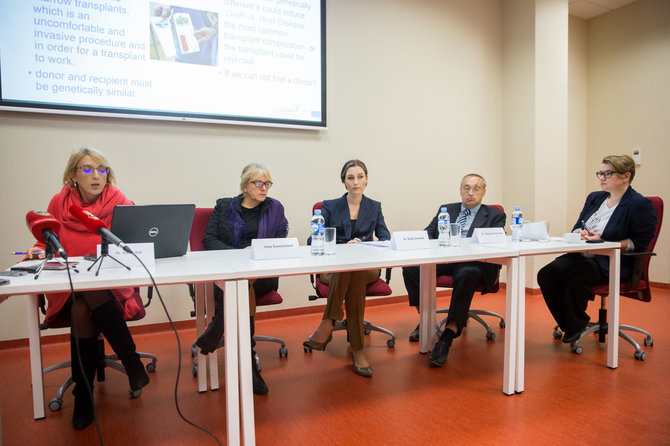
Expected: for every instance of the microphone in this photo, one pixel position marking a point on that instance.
(97, 226)
(45, 229)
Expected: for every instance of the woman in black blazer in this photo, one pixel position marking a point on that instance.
(617, 213)
(356, 218)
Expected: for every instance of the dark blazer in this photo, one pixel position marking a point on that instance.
(634, 219)
(487, 217)
(370, 220)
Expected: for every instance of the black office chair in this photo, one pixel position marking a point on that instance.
(636, 288)
(380, 287)
(104, 360)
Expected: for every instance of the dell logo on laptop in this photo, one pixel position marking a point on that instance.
(153, 232)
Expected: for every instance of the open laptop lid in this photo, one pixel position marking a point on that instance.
(167, 226)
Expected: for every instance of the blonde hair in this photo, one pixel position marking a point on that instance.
(621, 164)
(77, 155)
(251, 171)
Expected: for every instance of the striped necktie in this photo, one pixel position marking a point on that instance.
(461, 219)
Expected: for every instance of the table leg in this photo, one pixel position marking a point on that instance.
(35, 343)
(244, 348)
(231, 358)
(200, 324)
(427, 329)
(518, 347)
(613, 311)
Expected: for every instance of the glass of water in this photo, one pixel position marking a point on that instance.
(330, 238)
(455, 231)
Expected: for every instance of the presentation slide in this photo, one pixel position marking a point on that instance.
(246, 61)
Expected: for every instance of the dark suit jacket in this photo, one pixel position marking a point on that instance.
(370, 220)
(487, 217)
(634, 219)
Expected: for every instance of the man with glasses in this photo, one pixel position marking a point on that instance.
(470, 213)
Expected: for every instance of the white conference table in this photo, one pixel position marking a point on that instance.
(231, 270)
(557, 247)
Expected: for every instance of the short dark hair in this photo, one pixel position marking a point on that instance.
(352, 163)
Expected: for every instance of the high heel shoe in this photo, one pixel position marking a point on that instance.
(315, 345)
(362, 371)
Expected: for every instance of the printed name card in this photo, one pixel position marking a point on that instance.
(407, 240)
(489, 235)
(274, 248)
(145, 251)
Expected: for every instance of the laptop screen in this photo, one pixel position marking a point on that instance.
(167, 226)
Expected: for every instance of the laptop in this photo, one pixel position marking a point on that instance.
(167, 226)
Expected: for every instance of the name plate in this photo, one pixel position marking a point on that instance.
(144, 251)
(407, 240)
(489, 235)
(274, 248)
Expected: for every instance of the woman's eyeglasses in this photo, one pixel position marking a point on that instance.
(260, 184)
(607, 174)
(88, 170)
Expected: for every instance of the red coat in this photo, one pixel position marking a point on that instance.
(79, 241)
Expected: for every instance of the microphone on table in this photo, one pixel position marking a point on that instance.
(97, 226)
(45, 229)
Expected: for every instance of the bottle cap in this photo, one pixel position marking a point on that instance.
(317, 212)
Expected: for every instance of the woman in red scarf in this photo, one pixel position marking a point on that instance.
(88, 183)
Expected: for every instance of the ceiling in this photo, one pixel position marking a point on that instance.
(587, 9)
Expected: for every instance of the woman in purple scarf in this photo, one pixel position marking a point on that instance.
(233, 224)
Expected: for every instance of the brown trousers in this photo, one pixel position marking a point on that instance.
(349, 288)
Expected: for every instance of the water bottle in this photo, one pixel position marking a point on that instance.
(443, 227)
(517, 224)
(318, 233)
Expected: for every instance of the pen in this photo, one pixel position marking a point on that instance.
(20, 253)
(584, 228)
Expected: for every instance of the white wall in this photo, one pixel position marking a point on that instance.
(415, 90)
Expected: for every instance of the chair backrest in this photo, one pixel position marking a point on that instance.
(200, 219)
(644, 273)
(497, 206)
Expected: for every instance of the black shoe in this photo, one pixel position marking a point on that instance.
(210, 338)
(438, 356)
(414, 336)
(137, 375)
(83, 408)
(260, 388)
(570, 338)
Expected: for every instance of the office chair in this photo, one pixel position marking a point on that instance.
(446, 281)
(104, 360)
(200, 219)
(635, 288)
(380, 287)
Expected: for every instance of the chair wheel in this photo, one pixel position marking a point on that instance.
(390, 343)
(648, 341)
(306, 349)
(194, 370)
(135, 393)
(367, 331)
(151, 367)
(490, 336)
(55, 405)
(577, 349)
(502, 323)
(194, 352)
(557, 334)
(640, 355)
(283, 352)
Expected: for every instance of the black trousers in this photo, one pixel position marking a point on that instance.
(566, 287)
(468, 277)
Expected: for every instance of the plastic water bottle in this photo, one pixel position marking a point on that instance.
(517, 224)
(443, 227)
(318, 233)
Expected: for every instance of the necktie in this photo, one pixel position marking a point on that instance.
(461, 219)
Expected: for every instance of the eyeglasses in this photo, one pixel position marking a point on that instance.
(260, 184)
(607, 174)
(88, 170)
(475, 189)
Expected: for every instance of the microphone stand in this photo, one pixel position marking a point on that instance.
(48, 255)
(104, 252)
